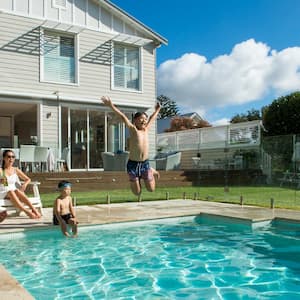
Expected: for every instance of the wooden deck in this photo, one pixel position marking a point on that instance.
(109, 180)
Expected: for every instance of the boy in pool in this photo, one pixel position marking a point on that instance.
(138, 166)
(63, 210)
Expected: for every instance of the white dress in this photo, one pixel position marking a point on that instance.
(13, 182)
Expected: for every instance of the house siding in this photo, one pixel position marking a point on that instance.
(19, 72)
(21, 23)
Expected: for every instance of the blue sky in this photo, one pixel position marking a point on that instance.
(224, 56)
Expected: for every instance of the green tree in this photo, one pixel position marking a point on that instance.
(168, 107)
(251, 115)
(282, 115)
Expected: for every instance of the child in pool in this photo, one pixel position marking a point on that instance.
(63, 210)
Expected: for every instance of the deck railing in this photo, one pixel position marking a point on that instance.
(232, 135)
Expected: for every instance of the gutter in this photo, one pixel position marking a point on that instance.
(57, 96)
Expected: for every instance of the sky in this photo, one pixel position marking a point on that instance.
(224, 57)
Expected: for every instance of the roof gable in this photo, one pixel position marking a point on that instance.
(98, 15)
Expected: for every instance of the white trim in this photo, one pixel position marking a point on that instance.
(131, 39)
(59, 6)
(53, 97)
(40, 112)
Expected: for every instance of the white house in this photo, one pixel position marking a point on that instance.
(57, 58)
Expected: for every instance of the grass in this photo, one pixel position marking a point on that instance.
(258, 196)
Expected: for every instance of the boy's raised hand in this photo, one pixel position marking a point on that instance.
(106, 100)
(157, 106)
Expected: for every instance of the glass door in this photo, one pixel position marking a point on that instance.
(78, 128)
(96, 138)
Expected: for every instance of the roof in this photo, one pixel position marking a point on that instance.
(160, 39)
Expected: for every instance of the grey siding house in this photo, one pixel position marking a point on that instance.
(57, 58)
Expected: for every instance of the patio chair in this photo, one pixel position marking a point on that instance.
(27, 157)
(62, 162)
(115, 161)
(41, 157)
(167, 161)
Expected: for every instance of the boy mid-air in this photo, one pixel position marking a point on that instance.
(138, 166)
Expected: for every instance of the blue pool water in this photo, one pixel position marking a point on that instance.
(182, 258)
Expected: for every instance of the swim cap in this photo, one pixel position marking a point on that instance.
(64, 184)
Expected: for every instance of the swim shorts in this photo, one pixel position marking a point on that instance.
(139, 169)
(66, 218)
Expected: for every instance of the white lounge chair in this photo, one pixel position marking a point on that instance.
(35, 200)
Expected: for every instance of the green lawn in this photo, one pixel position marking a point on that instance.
(259, 196)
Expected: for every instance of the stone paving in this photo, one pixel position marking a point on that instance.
(122, 212)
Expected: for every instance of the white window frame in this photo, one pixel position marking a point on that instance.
(76, 64)
(56, 5)
(113, 87)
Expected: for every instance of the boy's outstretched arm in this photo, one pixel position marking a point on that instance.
(107, 101)
(154, 115)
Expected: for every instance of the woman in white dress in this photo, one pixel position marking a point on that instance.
(15, 190)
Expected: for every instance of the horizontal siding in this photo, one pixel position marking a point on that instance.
(49, 128)
(20, 72)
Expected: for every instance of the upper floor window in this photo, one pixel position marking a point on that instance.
(126, 67)
(58, 58)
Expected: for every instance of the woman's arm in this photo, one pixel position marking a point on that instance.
(26, 180)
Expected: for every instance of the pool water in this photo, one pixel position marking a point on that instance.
(201, 257)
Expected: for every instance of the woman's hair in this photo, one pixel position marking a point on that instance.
(3, 155)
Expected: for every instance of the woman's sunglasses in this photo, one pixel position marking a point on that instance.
(10, 156)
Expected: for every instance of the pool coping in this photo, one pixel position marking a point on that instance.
(99, 214)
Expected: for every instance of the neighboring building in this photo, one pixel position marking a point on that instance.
(57, 58)
(164, 124)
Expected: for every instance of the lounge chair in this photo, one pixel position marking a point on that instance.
(6, 204)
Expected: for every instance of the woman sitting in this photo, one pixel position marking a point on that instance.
(15, 190)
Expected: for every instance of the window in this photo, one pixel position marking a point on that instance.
(126, 67)
(58, 58)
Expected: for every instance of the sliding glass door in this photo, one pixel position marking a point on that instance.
(88, 133)
(78, 135)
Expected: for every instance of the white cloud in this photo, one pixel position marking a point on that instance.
(251, 71)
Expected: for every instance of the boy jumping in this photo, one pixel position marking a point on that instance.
(138, 166)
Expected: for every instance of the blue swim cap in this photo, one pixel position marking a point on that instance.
(63, 184)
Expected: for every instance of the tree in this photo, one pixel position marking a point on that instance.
(168, 107)
(282, 115)
(251, 115)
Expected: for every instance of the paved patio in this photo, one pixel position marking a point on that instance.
(122, 212)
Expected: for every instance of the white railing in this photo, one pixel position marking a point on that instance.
(232, 135)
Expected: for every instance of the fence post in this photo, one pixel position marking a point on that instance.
(241, 200)
(184, 196)
(167, 195)
(108, 199)
(272, 203)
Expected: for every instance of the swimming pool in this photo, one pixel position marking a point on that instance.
(200, 257)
